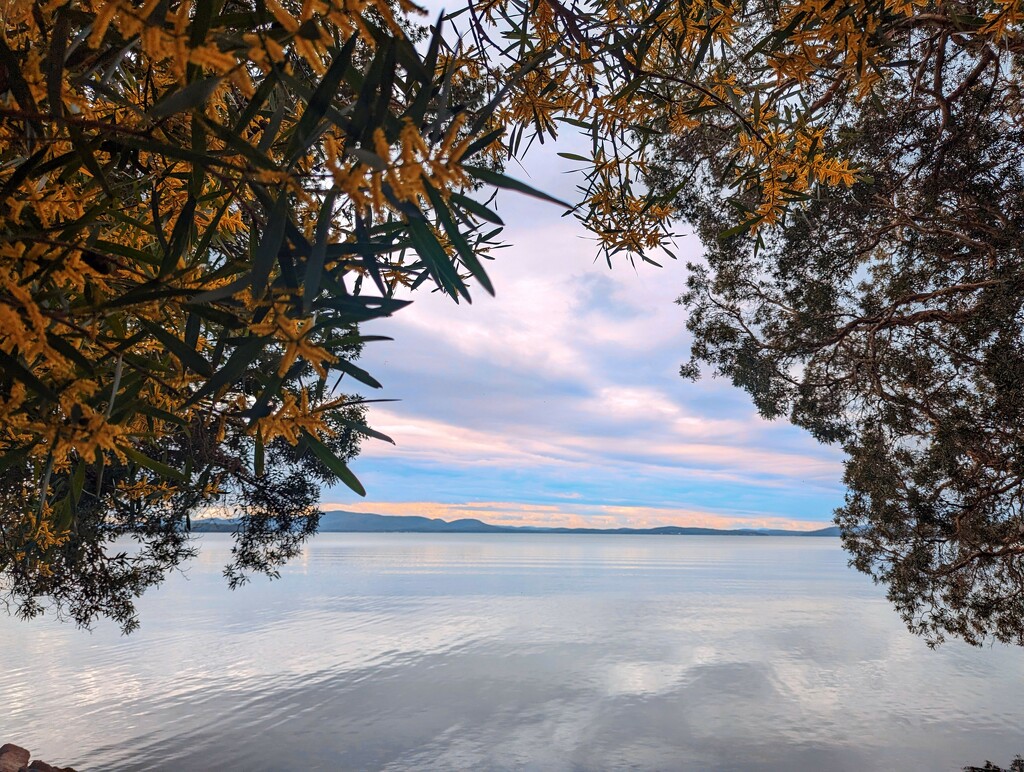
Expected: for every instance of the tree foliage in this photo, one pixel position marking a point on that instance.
(201, 203)
(888, 316)
(1017, 765)
(203, 199)
(855, 170)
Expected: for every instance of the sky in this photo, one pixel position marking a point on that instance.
(558, 402)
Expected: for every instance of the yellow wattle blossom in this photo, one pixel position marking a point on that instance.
(138, 181)
(291, 420)
(295, 335)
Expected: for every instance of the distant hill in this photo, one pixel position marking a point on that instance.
(360, 522)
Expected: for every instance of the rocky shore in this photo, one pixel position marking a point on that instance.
(16, 759)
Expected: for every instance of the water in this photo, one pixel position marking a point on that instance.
(560, 652)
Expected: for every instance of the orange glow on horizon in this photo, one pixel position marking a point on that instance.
(573, 515)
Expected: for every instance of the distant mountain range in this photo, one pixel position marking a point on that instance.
(359, 522)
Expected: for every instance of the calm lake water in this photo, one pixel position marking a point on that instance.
(492, 652)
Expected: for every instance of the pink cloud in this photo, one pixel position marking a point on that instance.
(709, 448)
(571, 369)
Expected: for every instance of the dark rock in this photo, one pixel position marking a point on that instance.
(13, 757)
(41, 766)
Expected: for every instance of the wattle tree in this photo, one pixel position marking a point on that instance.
(204, 199)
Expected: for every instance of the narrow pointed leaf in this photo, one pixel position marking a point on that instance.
(194, 94)
(315, 264)
(332, 462)
(501, 181)
(153, 465)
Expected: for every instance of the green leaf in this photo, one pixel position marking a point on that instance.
(261, 407)
(263, 91)
(501, 181)
(475, 207)
(55, 63)
(239, 361)
(273, 237)
(66, 349)
(332, 462)
(195, 187)
(418, 108)
(466, 252)
(262, 262)
(212, 230)
(165, 149)
(153, 465)
(743, 227)
(357, 372)
(362, 428)
(361, 309)
(201, 21)
(179, 237)
(63, 513)
(315, 264)
(158, 220)
(16, 456)
(188, 357)
(163, 415)
(78, 482)
(481, 143)
(436, 259)
(386, 85)
(145, 292)
(186, 98)
(11, 366)
(84, 150)
(22, 171)
(15, 80)
(326, 91)
(585, 125)
(236, 143)
(705, 43)
(368, 157)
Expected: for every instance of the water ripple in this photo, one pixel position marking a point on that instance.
(408, 652)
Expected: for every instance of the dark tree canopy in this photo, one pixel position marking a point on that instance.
(202, 200)
(888, 317)
(1017, 765)
(124, 543)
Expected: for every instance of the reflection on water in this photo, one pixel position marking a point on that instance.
(409, 651)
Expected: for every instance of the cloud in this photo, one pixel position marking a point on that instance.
(566, 384)
(685, 444)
